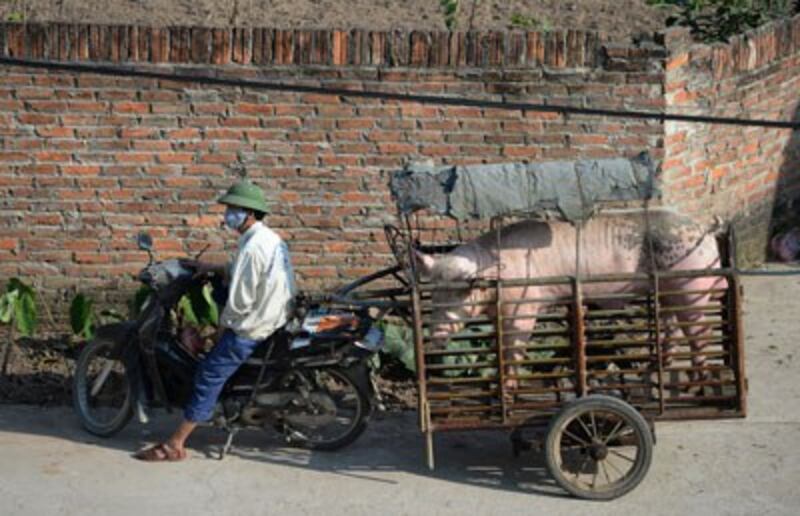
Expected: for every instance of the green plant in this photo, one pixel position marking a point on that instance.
(15, 16)
(399, 345)
(198, 308)
(18, 307)
(17, 310)
(450, 8)
(83, 319)
(718, 20)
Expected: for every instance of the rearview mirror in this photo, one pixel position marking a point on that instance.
(144, 241)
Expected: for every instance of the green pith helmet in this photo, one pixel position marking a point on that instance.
(245, 194)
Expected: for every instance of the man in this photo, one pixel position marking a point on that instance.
(261, 290)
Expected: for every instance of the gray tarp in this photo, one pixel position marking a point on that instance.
(569, 190)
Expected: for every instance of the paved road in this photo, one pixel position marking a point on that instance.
(50, 466)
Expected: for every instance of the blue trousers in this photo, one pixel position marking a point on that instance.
(212, 373)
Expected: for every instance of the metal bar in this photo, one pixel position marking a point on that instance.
(622, 328)
(705, 309)
(606, 314)
(705, 367)
(455, 381)
(445, 396)
(690, 354)
(578, 343)
(465, 336)
(719, 323)
(438, 411)
(667, 293)
(555, 280)
(735, 315)
(419, 350)
(545, 376)
(501, 358)
(709, 339)
(592, 359)
(470, 351)
(618, 343)
(446, 367)
(542, 347)
(540, 361)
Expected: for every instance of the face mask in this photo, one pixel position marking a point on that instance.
(235, 217)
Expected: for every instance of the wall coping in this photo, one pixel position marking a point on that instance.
(356, 47)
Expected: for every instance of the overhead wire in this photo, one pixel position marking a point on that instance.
(129, 71)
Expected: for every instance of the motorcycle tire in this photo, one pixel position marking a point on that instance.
(86, 391)
(354, 379)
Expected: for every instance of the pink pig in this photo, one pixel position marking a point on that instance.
(612, 242)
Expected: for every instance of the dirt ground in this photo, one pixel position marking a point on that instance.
(619, 18)
(732, 467)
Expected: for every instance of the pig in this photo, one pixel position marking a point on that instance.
(612, 242)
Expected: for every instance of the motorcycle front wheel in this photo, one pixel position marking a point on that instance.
(101, 391)
(335, 412)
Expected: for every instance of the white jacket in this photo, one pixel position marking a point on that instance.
(262, 285)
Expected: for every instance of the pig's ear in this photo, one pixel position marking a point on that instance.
(424, 262)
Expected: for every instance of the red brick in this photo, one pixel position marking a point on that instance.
(151, 145)
(55, 132)
(8, 244)
(186, 133)
(37, 118)
(255, 109)
(139, 132)
(51, 156)
(91, 258)
(89, 107)
(133, 157)
(175, 157)
(314, 98)
(241, 121)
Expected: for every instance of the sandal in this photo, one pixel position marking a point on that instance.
(160, 453)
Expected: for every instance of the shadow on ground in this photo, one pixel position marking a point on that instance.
(391, 444)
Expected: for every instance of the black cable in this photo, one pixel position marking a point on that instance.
(122, 71)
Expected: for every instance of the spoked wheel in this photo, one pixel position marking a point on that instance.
(101, 390)
(598, 448)
(335, 412)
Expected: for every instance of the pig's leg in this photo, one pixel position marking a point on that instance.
(693, 322)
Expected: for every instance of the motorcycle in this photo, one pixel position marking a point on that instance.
(309, 380)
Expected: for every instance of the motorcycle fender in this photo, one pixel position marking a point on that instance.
(120, 334)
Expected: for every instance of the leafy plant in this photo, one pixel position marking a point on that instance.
(718, 20)
(17, 310)
(450, 8)
(399, 344)
(15, 16)
(18, 307)
(198, 307)
(83, 319)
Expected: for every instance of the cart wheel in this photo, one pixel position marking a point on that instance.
(598, 448)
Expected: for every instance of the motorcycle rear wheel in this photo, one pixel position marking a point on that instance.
(342, 401)
(102, 394)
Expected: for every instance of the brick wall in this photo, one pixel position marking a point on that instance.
(87, 161)
(745, 174)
